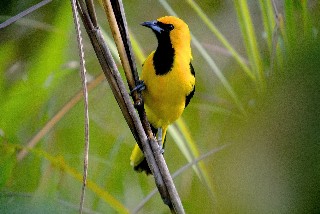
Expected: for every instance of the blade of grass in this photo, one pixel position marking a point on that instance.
(136, 47)
(290, 24)
(307, 25)
(221, 38)
(282, 45)
(276, 58)
(111, 45)
(250, 40)
(190, 151)
(267, 20)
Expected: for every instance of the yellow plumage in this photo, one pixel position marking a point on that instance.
(168, 76)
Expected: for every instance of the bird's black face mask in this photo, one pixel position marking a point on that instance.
(158, 27)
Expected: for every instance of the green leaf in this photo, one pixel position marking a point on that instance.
(7, 163)
(25, 98)
(250, 41)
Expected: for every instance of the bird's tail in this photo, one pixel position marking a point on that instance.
(137, 159)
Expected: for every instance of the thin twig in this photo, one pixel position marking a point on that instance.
(23, 13)
(85, 95)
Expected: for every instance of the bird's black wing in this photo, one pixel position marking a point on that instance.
(190, 95)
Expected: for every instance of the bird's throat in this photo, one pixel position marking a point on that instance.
(164, 55)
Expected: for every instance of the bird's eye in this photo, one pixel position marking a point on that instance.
(170, 27)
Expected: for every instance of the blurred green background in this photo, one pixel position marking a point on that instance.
(268, 122)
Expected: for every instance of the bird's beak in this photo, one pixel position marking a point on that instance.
(153, 25)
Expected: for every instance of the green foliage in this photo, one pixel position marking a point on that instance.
(257, 94)
(7, 162)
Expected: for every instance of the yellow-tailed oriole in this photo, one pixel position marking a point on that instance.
(168, 77)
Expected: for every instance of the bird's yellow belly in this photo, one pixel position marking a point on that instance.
(163, 104)
(163, 114)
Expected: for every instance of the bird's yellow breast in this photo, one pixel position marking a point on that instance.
(165, 95)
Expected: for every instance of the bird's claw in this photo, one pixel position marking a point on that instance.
(140, 87)
(159, 139)
(161, 150)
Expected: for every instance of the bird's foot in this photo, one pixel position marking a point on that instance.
(140, 87)
(159, 139)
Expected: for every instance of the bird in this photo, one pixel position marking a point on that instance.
(168, 79)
